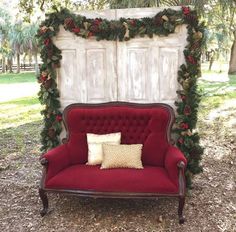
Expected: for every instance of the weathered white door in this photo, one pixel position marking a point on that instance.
(139, 70)
(147, 67)
(88, 69)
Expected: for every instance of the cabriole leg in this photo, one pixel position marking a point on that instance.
(180, 210)
(44, 198)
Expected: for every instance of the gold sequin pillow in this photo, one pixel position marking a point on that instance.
(122, 156)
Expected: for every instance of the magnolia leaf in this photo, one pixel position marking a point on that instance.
(54, 58)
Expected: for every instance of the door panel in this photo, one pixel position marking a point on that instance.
(137, 71)
(168, 69)
(87, 72)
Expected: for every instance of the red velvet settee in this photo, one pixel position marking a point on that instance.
(65, 170)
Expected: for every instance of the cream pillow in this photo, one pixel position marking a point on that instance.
(95, 151)
(122, 156)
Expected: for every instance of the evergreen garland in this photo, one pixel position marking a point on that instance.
(162, 24)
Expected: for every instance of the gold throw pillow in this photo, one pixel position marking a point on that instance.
(95, 141)
(122, 156)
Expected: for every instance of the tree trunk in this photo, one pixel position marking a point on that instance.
(18, 63)
(232, 62)
(3, 64)
(9, 64)
(36, 64)
(211, 63)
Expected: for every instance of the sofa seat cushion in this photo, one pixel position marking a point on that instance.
(91, 178)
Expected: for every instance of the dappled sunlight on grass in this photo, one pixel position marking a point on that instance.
(212, 88)
(214, 94)
(225, 109)
(217, 111)
(18, 112)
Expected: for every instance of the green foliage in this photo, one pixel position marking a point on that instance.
(162, 24)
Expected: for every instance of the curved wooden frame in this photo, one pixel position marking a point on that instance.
(120, 104)
(121, 195)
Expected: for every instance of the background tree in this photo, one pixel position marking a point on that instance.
(30, 42)
(17, 42)
(16, 39)
(4, 33)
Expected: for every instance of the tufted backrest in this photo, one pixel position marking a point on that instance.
(138, 123)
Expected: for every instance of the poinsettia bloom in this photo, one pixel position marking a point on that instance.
(187, 110)
(76, 30)
(186, 10)
(184, 126)
(47, 41)
(191, 59)
(58, 117)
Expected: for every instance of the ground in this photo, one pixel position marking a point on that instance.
(210, 205)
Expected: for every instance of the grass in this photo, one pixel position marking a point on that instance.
(20, 119)
(216, 93)
(214, 85)
(20, 122)
(15, 139)
(14, 78)
(20, 111)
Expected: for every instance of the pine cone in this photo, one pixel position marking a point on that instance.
(173, 18)
(51, 133)
(50, 53)
(158, 20)
(195, 46)
(56, 65)
(192, 19)
(48, 84)
(94, 28)
(115, 25)
(194, 156)
(69, 22)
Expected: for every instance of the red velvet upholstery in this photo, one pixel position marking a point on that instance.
(84, 177)
(58, 159)
(145, 126)
(172, 158)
